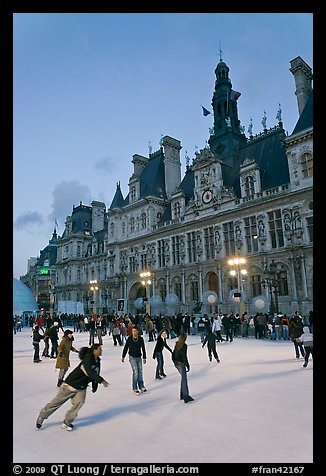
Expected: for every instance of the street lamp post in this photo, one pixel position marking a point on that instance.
(146, 282)
(238, 270)
(273, 279)
(94, 288)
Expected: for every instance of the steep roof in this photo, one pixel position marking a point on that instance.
(118, 200)
(268, 152)
(152, 178)
(305, 120)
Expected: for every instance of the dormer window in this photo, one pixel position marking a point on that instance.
(176, 210)
(249, 186)
(133, 193)
(306, 165)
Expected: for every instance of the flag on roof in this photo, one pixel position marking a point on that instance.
(205, 111)
(234, 94)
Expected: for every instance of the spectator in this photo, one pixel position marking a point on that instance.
(37, 337)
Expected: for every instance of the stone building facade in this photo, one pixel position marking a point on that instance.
(241, 196)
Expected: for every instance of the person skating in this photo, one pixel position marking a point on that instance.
(158, 354)
(63, 362)
(135, 346)
(75, 385)
(181, 363)
(210, 340)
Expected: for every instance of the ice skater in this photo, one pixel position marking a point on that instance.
(135, 346)
(75, 385)
(210, 340)
(158, 354)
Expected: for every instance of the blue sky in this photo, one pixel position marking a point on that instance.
(91, 90)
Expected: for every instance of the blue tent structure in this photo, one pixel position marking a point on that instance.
(23, 299)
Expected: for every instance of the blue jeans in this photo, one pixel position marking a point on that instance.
(184, 390)
(160, 362)
(137, 373)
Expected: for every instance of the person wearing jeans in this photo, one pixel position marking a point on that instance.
(135, 346)
(181, 363)
(158, 354)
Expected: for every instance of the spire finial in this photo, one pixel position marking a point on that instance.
(279, 113)
(219, 46)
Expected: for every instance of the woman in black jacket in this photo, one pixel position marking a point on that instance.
(158, 354)
(181, 363)
(75, 385)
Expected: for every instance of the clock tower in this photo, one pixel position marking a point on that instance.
(226, 136)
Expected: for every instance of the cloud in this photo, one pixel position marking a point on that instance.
(27, 220)
(105, 165)
(67, 194)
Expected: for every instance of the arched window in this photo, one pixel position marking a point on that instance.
(132, 224)
(112, 230)
(306, 165)
(249, 186)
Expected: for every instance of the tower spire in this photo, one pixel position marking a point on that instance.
(219, 47)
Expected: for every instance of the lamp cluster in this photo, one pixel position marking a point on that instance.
(145, 275)
(93, 284)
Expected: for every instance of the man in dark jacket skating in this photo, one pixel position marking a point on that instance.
(75, 385)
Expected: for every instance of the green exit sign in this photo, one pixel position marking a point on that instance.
(44, 271)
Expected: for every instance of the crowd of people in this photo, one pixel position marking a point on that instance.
(129, 332)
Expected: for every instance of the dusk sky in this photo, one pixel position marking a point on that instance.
(93, 89)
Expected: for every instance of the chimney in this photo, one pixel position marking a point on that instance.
(302, 76)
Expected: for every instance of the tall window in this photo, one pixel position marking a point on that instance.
(111, 266)
(176, 210)
(283, 288)
(209, 242)
(194, 292)
(143, 261)
(162, 290)
(112, 230)
(160, 253)
(191, 247)
(132, 224)
(249, 186)
(250, 226)
(175, 240)
(132, 264)
(310, 229)
(256, 286)
(228, 233)
(177, 290)
(275, 228)
(133, 193)
(307, 165)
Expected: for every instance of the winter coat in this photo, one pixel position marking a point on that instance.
(307, 338)
(64, 349)
(296, 328)
(211, 339)
(180, 355)
(159, 346)
(36, 337)
(88, 371)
